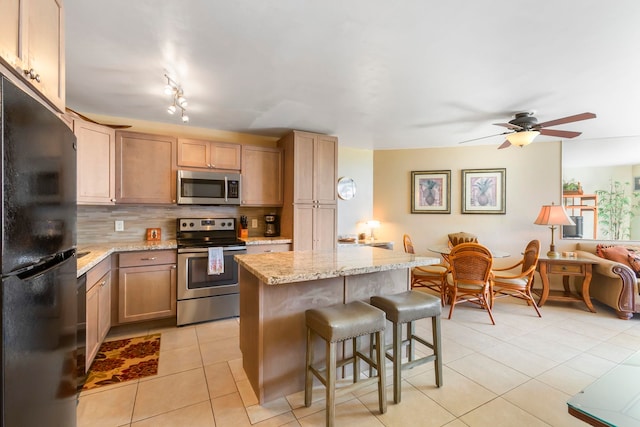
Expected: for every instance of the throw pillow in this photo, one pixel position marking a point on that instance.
(634, 262)
(614, 253)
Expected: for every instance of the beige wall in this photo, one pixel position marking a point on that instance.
(357, 164)
(533, 178)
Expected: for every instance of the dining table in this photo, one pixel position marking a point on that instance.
(446, 250)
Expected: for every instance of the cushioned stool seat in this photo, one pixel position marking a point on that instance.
(338, 323)
(407, 307)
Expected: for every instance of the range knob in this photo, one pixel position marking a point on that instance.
(184, 224)
(191, 224)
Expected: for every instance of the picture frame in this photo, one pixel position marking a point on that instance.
(484, 191)
(154, 234)
(636, 183)
(431, 192)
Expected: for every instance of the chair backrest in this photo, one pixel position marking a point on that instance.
(471, 263)
(462, 237)
(531, 255)
(408, 244)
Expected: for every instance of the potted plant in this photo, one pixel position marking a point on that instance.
(616, 207)
(571, 187)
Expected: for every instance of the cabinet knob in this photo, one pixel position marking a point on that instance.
(31, 73)
(104, 282)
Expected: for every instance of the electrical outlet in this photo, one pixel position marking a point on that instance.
(119, 225)
(254, 223)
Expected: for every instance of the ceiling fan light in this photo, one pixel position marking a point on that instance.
(522, 138)
(185, 118)
(171, 109)
(182, 101)
(168, 89)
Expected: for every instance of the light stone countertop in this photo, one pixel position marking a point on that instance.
(287, 267)
(99, 252)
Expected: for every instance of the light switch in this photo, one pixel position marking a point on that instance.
(119, 225)
(254, 223)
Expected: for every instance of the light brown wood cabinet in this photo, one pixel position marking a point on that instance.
(96, 155)
(146, 285)
(145, 168)
(193, 153)
(268, 248)
(98, 309)
(262, 176)
(32, 44)
(310, 174)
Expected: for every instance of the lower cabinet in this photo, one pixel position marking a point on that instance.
(146, 285)
(314, 227)
(98, 308)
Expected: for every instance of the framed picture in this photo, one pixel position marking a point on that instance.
(484, 191)
(154, 234)
(636, 183)
(431, 191)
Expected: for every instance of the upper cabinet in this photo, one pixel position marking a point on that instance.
(96, 157)
(193, 153)
(145, 168)
(261, 176)
(32, 44)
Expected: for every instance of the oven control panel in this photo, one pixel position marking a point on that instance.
(206, 224)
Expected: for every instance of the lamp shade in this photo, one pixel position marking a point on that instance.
(373, 224)
(522, 138)
(553, 215)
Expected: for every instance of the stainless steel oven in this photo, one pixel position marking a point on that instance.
(202, 296)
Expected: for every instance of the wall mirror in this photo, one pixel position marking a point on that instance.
(346, 188)
(590, 167)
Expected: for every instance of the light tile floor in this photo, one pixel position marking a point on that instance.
(520, 372)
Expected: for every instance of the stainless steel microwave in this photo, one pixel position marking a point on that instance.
(209, 188)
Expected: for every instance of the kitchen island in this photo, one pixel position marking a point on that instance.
(277, 288)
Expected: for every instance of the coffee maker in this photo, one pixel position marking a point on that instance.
(271, 225)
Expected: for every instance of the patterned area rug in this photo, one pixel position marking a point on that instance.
(124, 360)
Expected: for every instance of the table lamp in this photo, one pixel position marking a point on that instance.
(553, 215)
(373, 224)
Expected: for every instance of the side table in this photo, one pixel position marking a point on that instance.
(567, 267)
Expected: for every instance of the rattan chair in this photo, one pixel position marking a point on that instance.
(462, 237)
(470, 279)
(432, 276)
(518, 285)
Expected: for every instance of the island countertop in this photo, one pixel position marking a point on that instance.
(299, 266)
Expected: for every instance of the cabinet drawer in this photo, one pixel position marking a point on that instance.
(566, 269)
(260, 249)
(96, 273)
(142, 258)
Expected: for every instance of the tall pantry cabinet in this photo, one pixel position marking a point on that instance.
(309, 210)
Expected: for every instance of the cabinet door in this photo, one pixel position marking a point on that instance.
(96, 156)
(145, 168)
(303, 168)
(146, 293)
(325, 169)
(104, 307)
(303, 227)
(324, 227)
(193, 153)
(225, 156)
(261, 176)
(10, 31)
(45, 48)
(92, 335)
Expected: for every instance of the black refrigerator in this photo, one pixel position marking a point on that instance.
(39, 307)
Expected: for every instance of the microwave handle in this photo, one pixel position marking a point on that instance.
(226, 189)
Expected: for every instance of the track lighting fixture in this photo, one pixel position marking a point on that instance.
(178, 99)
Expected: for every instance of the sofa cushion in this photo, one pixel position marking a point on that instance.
(620, 254)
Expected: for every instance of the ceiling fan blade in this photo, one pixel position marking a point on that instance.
(83, 117)
(505, 144)
(509, 125)
(569, 119)
(560, 133)
(482, 137)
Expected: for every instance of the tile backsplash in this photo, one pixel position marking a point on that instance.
(96, 224)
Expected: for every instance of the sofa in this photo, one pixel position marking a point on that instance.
(613, 283)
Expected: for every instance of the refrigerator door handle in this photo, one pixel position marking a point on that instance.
(42, 265)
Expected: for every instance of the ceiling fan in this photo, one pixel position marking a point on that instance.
(525, 127)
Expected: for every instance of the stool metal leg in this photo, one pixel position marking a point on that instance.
(437, 348)
(308, 377)
(397, 361)
(356, 367)
(331, 383)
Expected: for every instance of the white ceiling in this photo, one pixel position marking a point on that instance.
(376, 73)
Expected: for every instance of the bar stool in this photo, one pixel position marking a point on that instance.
(407, 307)
(338, 323)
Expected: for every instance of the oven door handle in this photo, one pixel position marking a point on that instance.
(201, 250)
